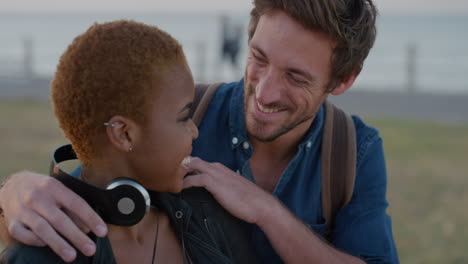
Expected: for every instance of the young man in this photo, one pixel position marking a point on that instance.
(267, 128)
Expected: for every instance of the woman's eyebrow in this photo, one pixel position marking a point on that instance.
(187, 106)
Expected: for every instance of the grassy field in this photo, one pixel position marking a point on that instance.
(427, 165)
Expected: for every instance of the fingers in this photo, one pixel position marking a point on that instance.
(197, 180)
(35, 213)
(80, 224)
(197, 164)
(70, 202)
(59, 223)
(22, 233)
(54, 213)
(89, 219)
(40, 227)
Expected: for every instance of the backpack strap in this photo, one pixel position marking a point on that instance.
(203, 95)
(338, 163)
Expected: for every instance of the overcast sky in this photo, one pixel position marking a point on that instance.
(139, 6)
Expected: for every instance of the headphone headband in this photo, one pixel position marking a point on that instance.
(124, 201)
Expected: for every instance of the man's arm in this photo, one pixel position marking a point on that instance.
(292, 240)
(37, 209)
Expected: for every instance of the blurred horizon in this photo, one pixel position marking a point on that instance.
(395, 7)
(422, 53)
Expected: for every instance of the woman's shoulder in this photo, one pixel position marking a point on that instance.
(19, 253)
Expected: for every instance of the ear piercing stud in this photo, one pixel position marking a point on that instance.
(111, 125)
(130, 148)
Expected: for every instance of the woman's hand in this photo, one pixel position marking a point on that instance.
(38, 208)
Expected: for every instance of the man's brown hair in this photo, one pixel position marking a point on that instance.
(349, 23)
(112, 69)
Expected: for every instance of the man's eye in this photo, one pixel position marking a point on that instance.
(258, 58)
(295, 79)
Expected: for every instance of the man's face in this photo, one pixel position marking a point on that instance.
(288, 69)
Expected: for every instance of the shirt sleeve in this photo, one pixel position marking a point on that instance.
(363, 228)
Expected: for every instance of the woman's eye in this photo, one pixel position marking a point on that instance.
(185, 119)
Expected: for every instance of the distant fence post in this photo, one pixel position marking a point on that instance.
(411, 68)
(200, 63)
(28, 57)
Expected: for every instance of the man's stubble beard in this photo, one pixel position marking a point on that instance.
(283, 129)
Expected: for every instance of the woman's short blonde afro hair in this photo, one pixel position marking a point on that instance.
(112, 69)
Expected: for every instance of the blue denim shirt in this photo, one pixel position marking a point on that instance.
(362, 228)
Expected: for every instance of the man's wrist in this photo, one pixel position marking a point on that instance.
(269, 209)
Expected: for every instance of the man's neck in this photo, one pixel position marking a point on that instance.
(270, 159)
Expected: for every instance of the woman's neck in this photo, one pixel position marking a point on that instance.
(141, 238)
(137, 233)
(101, 174)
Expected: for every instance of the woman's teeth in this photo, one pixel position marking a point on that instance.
(186, 160)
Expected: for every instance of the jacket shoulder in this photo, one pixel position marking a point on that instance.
(21, 254)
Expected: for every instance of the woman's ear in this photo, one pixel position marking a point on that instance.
(121, 132)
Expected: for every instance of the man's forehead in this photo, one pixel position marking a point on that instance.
(289, 45)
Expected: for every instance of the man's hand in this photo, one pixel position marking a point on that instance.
(241, 197)
(292, 240)
(38, 208)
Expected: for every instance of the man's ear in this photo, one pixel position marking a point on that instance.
(121, 132)
(347, 82)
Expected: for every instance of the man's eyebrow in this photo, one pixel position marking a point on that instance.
(187, 106)
(259, 50)
(292, 70)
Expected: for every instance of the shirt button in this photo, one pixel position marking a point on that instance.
(309, 144)
(245, 145)
(179, 214)
(235, 140)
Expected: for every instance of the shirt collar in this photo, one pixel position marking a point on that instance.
(237, 127)
(238, 130)
(315, 131)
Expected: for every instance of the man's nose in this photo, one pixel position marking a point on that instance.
(268, 89)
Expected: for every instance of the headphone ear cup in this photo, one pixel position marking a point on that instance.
(129, 202)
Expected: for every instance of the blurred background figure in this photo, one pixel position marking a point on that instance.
(230, 44)
(413, 88)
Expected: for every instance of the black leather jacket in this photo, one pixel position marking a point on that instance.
(208, 233)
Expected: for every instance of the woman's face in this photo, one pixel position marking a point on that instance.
(166, 138)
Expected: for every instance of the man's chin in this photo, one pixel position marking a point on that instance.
(263, 134)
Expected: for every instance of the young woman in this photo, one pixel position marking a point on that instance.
(122, 95)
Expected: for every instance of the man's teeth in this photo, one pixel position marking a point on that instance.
(267, 110)
(186, 160)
